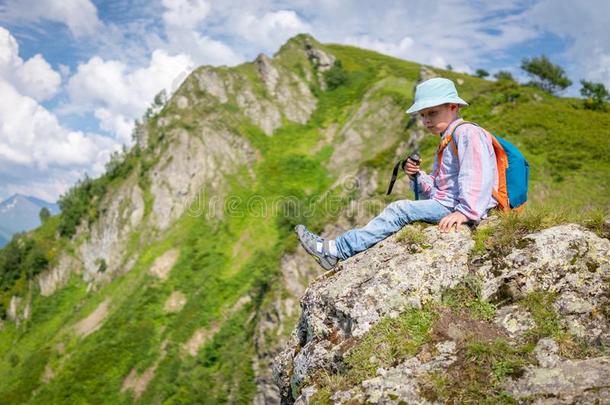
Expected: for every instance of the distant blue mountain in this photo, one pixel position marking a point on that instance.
(20, 213)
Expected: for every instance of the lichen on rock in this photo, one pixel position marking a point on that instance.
(564, 268)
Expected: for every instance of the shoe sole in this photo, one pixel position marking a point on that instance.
(321, 261)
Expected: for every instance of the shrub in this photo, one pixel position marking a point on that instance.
(502, 75)
(75, 204)
(548, 76)
(596, 95)
(44, 214)
(22, 256)
(336, 76)
(482, 73)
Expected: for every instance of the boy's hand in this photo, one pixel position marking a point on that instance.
(455, 218)
(411, 168)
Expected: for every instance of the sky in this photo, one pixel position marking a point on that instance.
(76, 74)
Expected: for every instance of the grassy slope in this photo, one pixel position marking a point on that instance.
(216, 266)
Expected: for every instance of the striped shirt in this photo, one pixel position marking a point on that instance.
(463, 184)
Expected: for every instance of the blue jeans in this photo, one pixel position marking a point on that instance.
(396, 215)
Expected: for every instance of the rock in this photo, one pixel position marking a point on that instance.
(306, 394)
(27, 311)
(546, 353)
(365, 288)
(50, 280)
(569, 260)
(267, 392)
(120, 213)
(295, 98)
(566, 382)
(399, 384)
(13, 308)
(515, 320)
(340, 306)
(268, 73)
(322, 60)
(211, 82)
(570, 303)
(182, 102)
(261, 111)
(277, 319)
(359, 138)
(461, 329)
(48, 374)
(425, 73)
(287, 95)
(192, 162)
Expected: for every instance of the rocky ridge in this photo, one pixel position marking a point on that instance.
(568, 262)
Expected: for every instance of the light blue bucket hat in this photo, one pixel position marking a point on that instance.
(434, 92)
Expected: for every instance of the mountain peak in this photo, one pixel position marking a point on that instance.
(20, 213)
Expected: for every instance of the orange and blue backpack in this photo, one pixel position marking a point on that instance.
(513, 170)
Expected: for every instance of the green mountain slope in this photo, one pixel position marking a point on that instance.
(174, 277)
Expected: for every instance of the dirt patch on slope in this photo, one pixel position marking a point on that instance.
(94, 321)
(461, 329)
(201, 336)
(175, 302)
(138, 383)
(164, 263)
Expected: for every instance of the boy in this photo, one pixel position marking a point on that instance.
(458, 190)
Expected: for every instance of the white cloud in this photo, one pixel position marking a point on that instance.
(38, 78)
(33, 141)
(584, 26)
(80, 16)
(35, 77)
(185, 13)
(48, 185)
(181, 18)
(118, 95)
(202, 49)
(271, 29)
(39, 156)
(154, 47)
(395, 49)
(462, 33)
(32, 136)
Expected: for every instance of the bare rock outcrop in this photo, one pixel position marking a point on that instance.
(58, 276)
(567, 262)
(373, 127)
(192, 163)
(382, 282)
(102, 252)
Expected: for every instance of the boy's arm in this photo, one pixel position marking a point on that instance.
(475, 179)
(425, 183)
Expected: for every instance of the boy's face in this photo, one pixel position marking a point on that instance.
(437, 118)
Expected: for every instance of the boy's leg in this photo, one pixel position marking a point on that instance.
(317, 247)
(391, 220)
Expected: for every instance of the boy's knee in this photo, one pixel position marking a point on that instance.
(397, 206)
(400, 208)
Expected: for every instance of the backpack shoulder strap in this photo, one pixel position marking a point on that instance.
(451, 140)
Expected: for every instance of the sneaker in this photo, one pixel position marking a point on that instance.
(317, 247)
